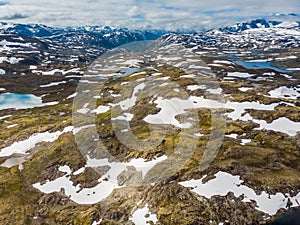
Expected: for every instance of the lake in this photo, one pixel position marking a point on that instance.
(254, 65)
(19, 101)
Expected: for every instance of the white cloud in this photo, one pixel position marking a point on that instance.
(169, 14)
(132, 11)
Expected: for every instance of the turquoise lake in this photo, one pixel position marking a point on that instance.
(19, 101)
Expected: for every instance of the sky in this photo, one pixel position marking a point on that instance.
(139, 14)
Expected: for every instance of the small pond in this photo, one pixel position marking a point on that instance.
(19, 101)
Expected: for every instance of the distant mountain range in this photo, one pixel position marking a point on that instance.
(108, 33)
(88, 42)
(106, 36)
(260, 23)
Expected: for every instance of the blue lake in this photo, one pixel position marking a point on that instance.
(260, 65)
(255, 65)
(19, 101)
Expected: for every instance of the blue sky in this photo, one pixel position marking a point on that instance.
(160, 14)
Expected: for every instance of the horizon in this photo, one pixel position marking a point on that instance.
(8, 23)
(150, 14)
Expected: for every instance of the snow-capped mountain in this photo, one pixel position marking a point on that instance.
(260, 23)
(259, 35)
(106, 36)
(86, 43)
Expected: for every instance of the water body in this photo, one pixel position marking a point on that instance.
(254, 65)
(19, 101)
(290, 218)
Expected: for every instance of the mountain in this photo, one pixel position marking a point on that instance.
(258, 23)
(225, 149)
(83, 43)
(71, 45)
(259, 34)
(86, 35)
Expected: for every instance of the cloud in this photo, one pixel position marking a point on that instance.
(14, 16)
(161, 14)
(132, 11)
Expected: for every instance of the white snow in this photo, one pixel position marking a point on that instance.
(222, 62)
(72, 95)
(215, 90)
(124, 83)
(4, 117)
(170, 108)
(284, 58)
(245, 141)
(23, 147)
(139, 216)
(239, 74)
(101, 109)
(232, 135)
(2, 72)
(84, 109)
(97, 222)
(244, 89)
(14, 161)
(225, 182)
(130, 102)
(198, 134)
(188, 76)
(215, 65)
(295, 69)
(32, 67)
(281, 124)
(11, 126)
(5, 43)
(107, 183)
(195, 87)
(285, 92)
(11, 60)
(126, 117)
(52, 72)
(136, 74)
(53, 84)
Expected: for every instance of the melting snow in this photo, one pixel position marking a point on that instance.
(281, 124)
(107, 183)
(225, 182)
(239, 74)
(142, 215)
(53, 84)
(23, 146)
(14, 161)
(285, 92)
(244, 89)
(101, 109)
(11, 60)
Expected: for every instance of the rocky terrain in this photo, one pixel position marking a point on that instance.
(198, 128)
